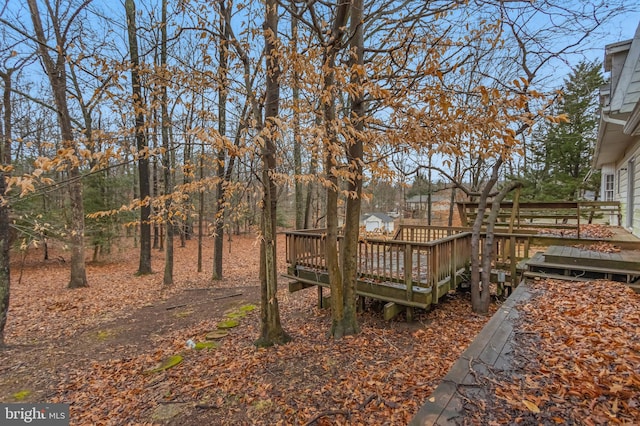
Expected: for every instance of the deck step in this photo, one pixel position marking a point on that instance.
(584, 257)
(573, 267)
(543, 275)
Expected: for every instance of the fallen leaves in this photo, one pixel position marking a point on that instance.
(589, 231)
(576, 358)
(385, 373)
(531, 406)
(600, 246)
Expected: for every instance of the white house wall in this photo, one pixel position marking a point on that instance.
(621, 187)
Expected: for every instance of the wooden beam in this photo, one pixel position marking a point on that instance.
(391, 310)
(297, 286)
(325, 302)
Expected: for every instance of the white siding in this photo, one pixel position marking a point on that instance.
(623, 176)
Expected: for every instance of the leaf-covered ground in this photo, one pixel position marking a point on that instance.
(97, 348)
(576, 360)
(102, 350)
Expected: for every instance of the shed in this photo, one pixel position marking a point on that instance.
(377, 222)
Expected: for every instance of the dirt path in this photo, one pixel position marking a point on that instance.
(52, 329)
(39, 367)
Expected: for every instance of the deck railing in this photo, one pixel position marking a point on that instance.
(413, 263)
(425, 255)
(425, 233)
(417, 256)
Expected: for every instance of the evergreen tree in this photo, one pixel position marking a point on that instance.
(562, 152)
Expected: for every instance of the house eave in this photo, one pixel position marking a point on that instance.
(613, 141)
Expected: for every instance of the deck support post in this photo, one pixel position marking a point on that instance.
(320, 297)
(513, 263)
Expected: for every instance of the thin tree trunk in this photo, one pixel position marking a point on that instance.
(297, 155)
(157, 244)
(488, 248)
(5, 273)
(311, 188)
(5, 231)
(271, 331)
(166, 157)
(310, 191)
(57, 74)
(8, 111)
(200, 208)
(218, 235)
(331, 247)
(452, 199)
(480, 288)
(143, 161)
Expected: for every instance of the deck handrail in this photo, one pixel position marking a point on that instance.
(413, 263)
(429, 261)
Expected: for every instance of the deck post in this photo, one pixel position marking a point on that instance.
(291, 250)
(408, 277)
(513, 263)
(454, 264)
(319, 297)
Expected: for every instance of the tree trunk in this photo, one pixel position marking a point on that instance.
(166, 156)
(297, 155)
(479, 286)
(334, 270)
(271, 331)
(200, 208)
(313, 165)
(141, 143)
(57, 74)
(5, 276)
(5, 231)
(157, 244)
(348, 324)
(218, 234)
(8, 111)
(452, 199)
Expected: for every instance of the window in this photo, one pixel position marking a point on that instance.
(608, 187)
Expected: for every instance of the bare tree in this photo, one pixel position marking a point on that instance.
(141, 142)
(56, 70)
(271, 331)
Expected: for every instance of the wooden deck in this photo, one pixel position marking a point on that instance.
(406, 274)
(574, 263)
(626, 259)
(491, 349)
(420, 264)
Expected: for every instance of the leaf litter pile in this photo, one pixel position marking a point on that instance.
(86, 347)
(576, 359)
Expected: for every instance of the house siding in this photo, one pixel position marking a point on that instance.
(618, 143)
(622, 177)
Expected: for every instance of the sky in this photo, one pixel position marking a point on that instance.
(621, 30)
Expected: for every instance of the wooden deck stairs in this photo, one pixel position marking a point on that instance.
(577, 264)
